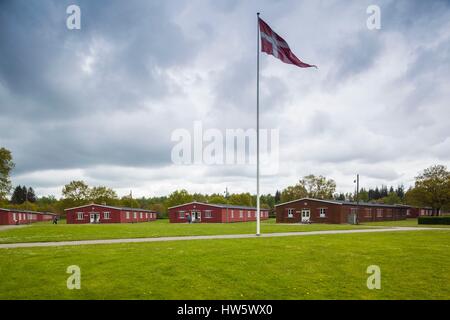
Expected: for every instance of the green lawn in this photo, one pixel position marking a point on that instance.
(63, 232)
(414, 265)
(403, 223)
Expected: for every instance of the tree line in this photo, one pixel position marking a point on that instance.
(431, 189)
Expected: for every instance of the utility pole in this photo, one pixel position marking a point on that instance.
(357, 198)
(226, 200)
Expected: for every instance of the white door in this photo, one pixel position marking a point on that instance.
(195, 216)
(306, 214)
(94, 217)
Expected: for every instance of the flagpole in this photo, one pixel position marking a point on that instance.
(258, 214)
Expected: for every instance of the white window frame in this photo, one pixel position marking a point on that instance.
(14, 216)
(80, 216)
(241, 214)
(181, 214)
(232, 214)
(134, 215)
(141, 215)
(208, 214)
(322, 212)
(106, 215)
(249, 214)
(127, 214)
(290, 212)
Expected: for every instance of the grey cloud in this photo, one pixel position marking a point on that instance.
(119, 111)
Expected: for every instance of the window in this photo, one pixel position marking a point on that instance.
(368, 212)
(140, 215)
(146, 215)
(379, 213)
(80, 215)
(106, 215)
(134, 215)
(322, 212)
(208, 214)
(128, 214)
(232, 213)
(290, 213)
(20, 216)
(14, 216)
(180, 214)
(241, 213)
(249, 214)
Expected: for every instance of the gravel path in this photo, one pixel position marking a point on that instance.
(187, 238)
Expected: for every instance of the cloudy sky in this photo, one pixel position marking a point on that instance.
(101, 103)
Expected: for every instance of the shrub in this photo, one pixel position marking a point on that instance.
(434, 220)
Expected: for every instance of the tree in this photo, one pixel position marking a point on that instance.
(383, 192)
(400, 191)
(363, 195)
(178, 197)
(293, 193)
(217, 199)
(241, 199)
(392, 198)
(339, 196)
(18, 197)
(102, 195)
(432, 188)
(31, 196)
(6, 166)
(318, 187)
(76, 193)
(277, 197)
(128, 201)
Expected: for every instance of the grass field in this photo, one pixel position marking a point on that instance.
(403, 223)
(414, 265)
(64, 232)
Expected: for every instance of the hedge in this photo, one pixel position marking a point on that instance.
(434, 220)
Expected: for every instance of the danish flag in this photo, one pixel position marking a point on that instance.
(272, 43)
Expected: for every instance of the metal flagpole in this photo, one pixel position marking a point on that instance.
(258, 217)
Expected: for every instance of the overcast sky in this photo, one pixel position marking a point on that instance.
(100, 103)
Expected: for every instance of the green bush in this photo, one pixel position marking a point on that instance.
(434, 220)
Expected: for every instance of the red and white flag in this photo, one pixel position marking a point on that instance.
(272, 43)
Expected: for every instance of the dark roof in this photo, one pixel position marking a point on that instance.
(371, 204)
(348, 203)
(25, 211)
(220, 205)
(111, 207)
(232, 206)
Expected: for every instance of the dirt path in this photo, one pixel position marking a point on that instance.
(232, 236)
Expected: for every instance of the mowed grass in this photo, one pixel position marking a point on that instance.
(414, 265)
(45, 232)
(403, 223)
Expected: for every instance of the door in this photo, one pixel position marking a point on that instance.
(196, 216)
(306, 215)
(94, 217)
